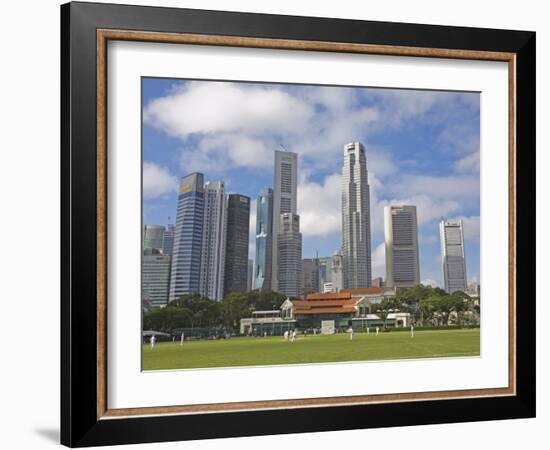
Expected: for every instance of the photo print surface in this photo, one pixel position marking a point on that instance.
(301, 224)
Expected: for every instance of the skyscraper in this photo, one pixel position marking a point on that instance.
(289, 247)
(236, 249)
(186, 254)
(356, 218)
(168, 240)
(285, 182)
(311, 276)
(337, 271)
(264, 240)
(153, 237)
(213, 241)
(155, 272)
(401, 238)
(453, 256)
(324, 270)
(250, 277)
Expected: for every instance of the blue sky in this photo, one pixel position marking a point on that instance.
(422, 149)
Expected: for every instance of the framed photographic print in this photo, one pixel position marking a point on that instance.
(276, 224)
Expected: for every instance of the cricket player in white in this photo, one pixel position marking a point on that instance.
(377, 330)
(182, 337)
(351, 333)
(412, 330)
(285, 334)
(153, 340)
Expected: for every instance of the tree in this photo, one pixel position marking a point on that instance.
(384, 308)
(414, 300)
(167, 319)
(193, 310)
(462, 303)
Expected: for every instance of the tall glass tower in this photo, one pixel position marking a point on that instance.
(168, 240)
(289, 246)
(153, 237)
(285, 183)
(236, 248)
(356, 218)
(186, 253)
(213, 241)
(453, 256)
(264, 240)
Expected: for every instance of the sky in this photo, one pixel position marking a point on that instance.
(422, 149)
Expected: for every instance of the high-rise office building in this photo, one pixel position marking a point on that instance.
(311, 280)
(264, 240)
(453, 256)
(187, 249)
(324, 270)
(356, 218)
(236, 253)
(213, 241)
(337, 271)
(153, 237)
(250, 277)
(285, 183)
(168, 239)
(155, 271)
(158, 237)
(289, 247)
(401, 239)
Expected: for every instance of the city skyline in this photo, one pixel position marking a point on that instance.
(399, 153)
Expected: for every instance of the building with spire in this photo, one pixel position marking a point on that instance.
(285, 200)
(356, 235)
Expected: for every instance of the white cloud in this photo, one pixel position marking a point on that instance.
(450, 187)
(215, 154)
(200, 107)
(378, 261)
(157, 180)
(462, 138)
(319, 206)
(379, 162)
(468, 164)
(430, 282)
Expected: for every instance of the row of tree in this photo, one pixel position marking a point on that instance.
(430, 306)
(194, 311)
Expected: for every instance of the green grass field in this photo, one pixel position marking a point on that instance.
(249, 351)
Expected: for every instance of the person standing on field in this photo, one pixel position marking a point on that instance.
(377, 330)
(153, 340)
(351, 333)
(412, 330)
